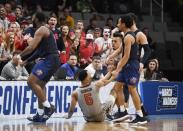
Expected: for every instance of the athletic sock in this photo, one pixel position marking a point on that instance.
(111, 98)
(40, 111)
(122, 108)
(46, 104)
(139, 112)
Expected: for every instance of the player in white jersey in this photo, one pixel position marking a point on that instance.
(88, 99)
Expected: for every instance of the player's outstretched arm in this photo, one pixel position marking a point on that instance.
(74, 99)
(105, 80)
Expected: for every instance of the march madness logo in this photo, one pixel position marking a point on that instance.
(167, 97)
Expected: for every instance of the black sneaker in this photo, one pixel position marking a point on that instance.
(36, 118)
(120, 116)
(139, 120)
(48, 112)
(109, 117)
(145, 113)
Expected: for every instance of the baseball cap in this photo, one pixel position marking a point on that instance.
(89, 36)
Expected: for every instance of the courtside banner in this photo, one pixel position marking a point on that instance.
(162, 97)
(18, 101)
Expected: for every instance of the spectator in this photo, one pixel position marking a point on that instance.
(92, 25)
(80, 26)
(109, 23)
(3, 19)
(9, 13)
(152, 72)
(84, 6)
(19, 14)
(13, 71)
(68, 70)
(104, 45)
(95, 68)
(97, 33)
(10, 42)
(86, 51)
(64, 56)
(75, 47)
(69, 18)
(52, 22)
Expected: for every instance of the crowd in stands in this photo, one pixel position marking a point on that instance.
(80, 46)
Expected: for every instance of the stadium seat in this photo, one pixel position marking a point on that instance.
(178, 64)
(172, 36)
(165, 64)
(162, 27)
(148, 18)
(77, 15)
(157, 37)
(149, 25)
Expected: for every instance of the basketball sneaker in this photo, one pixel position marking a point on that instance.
(120, 116)
(36, 118)
(139, 120)
(48, 112)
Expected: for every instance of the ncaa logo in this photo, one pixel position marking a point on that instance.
(133, 80)
(39, 72)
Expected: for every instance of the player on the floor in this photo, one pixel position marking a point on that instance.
(88, 98)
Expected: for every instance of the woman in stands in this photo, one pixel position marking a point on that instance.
(152, 72)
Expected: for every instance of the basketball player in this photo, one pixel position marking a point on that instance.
(141, 39)
(44, 46)
(88, 98)
(127, 72)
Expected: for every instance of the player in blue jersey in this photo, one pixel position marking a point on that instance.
(127, 72)
(44, 47)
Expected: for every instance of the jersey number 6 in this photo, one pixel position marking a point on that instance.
(88, 98)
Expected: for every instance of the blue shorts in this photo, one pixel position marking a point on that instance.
(129, 75)
(45, 68)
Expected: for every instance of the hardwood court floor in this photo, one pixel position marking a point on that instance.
(157, 123)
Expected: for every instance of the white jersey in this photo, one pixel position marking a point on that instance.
(90, 104)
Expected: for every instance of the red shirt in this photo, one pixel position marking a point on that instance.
(85, 51)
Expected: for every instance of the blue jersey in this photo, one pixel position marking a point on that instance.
(130, 73)
(50, 62)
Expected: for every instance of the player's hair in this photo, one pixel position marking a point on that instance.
(96, 57)
(118, 34)
(40, 16)
(134, 17)
(82, 75)
(127, 19)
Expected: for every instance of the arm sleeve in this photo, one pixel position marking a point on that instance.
(147, 53)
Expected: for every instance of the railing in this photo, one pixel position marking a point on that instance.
(159, 4)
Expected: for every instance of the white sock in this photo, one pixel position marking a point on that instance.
(139, 112)
(111, 98)
(46, 104)
(40, 111)
(122, 108)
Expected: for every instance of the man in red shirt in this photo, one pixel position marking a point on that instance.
(86, 51)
